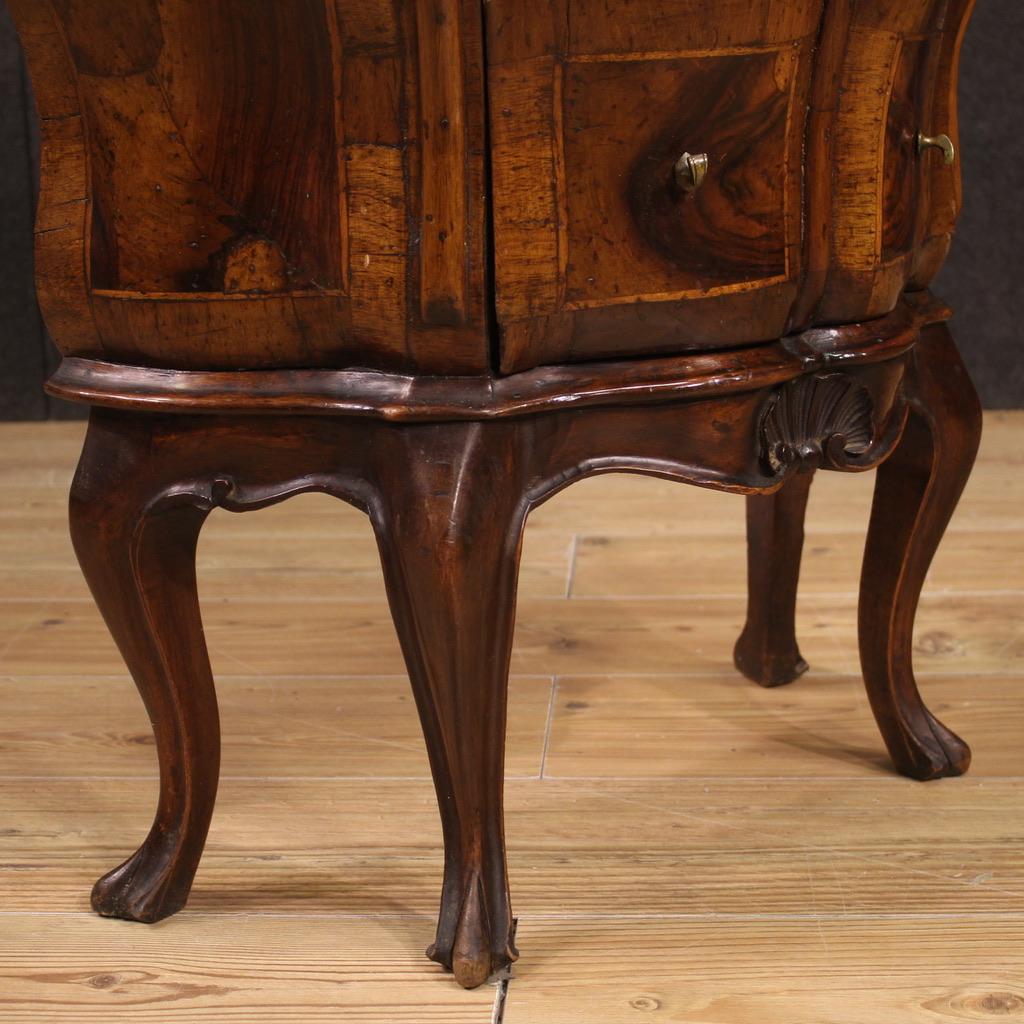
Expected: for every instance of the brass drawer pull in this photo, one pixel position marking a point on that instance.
(691, 170)
(943, 142)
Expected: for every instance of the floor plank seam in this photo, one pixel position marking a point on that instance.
(288, 599)
(859, 916)
(504, 979)
(574, 548)
(155, 776)
(717, 674)
(581, 917)
(881, 777)
(548, 725)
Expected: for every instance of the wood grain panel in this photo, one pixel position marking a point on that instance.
(251, 89)
(138, 207)
(875, 70)
(271, 330)
(375, 181)
(375, 128)
(449, 297)
(901, 192)
(526, 200)
(624, 26)
(872, 58)
(232, 135)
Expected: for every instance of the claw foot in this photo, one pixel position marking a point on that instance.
(934, 753)
(142, 888)
(473, 954)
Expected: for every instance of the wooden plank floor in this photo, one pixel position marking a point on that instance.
(684, 846)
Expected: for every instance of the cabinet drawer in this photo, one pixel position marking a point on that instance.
(599, 250)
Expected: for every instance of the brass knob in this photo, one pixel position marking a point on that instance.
(691, 169)
(943, 142)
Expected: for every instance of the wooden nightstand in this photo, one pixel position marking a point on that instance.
(442, 258)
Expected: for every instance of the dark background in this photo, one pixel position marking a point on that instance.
(980, 279)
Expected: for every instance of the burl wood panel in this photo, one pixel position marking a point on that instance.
(817, 207)
(661, 241)
(591, 106)
(262, 183)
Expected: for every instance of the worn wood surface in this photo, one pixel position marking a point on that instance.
(766, 867)
(175, 132)
(404, 397)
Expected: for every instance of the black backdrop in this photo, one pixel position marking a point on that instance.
(981, 279)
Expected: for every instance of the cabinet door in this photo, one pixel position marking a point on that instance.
(236, 184)
(892, 206)
(599, 250)
(942, 181)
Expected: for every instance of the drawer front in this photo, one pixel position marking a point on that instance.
(599, 250)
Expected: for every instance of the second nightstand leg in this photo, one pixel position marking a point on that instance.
(767, 650)
(916, 491)
(449, 522)
(135, 521)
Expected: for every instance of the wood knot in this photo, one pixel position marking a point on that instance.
(249, 263)
(937, 644)
(647, 1004)
(982, 1005)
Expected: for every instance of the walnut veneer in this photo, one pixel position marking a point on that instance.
(441, 258)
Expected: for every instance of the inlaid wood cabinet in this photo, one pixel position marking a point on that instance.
(305, 183)
(441, 258)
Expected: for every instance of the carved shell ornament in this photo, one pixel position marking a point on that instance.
(822, 420)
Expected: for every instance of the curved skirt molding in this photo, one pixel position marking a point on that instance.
(398, 397)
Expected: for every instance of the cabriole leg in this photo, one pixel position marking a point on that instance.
(449, 522)
(136, 541)
(916, 491)
(767, 651)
